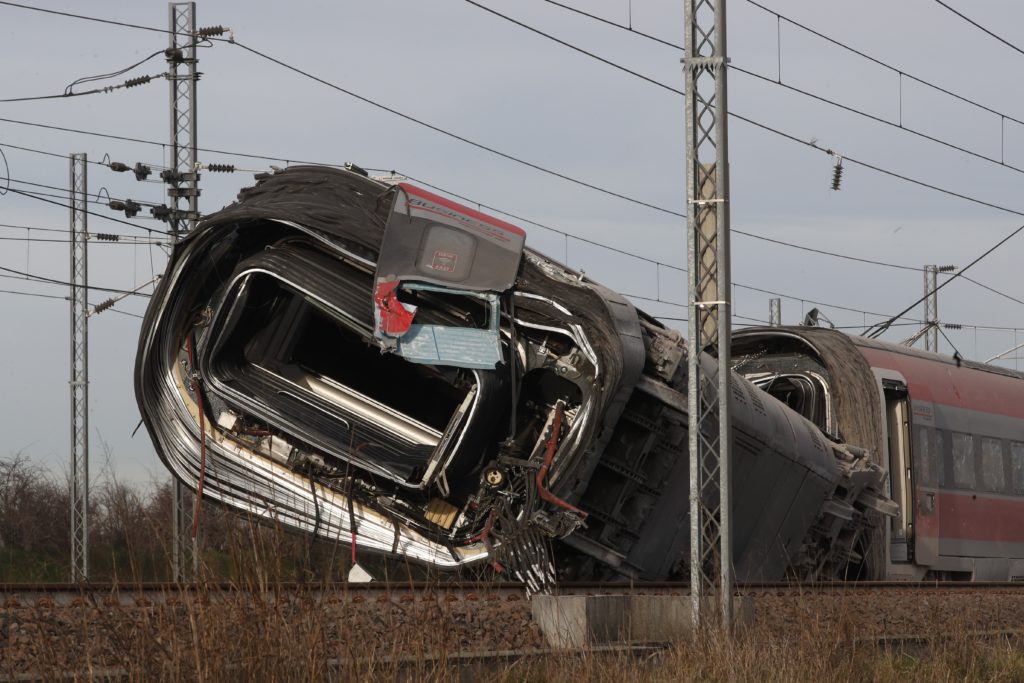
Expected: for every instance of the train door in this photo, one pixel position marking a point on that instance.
(901, 485)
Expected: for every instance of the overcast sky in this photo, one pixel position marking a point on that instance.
(469, 72)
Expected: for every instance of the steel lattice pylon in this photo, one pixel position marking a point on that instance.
(183, 193)
(79, 380)
(184, 190)
(931, 308)
(707, 193)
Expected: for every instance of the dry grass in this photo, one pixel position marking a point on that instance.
(259, 634)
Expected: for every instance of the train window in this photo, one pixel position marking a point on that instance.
(804, 393)
(1017, 465)
(924, 458)
(992, 477)
(963, 461)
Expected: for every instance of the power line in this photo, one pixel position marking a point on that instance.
(615, 24)
(876, 330)
(34, 240)
(290, 161)
(130, 83)
(573, 47)
(668, 266)
(35, 294)
(402, 115)
(66, 191)
(879, 62)
(124, 138)
(793, 138)
(993, 290)
(91, 213)
(878, 169)
(813, 145)
(455, 136)
(100, 237)
(878, 119)
(634, 255)
(779, 82)
(21, 275)
(40, 151)
(84, 17)
(532, 222)
(975, 24)
(64, 298)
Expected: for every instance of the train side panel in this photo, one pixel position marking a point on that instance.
(967, 427)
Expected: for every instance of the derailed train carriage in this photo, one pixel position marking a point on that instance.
(376, 364)
(949, 433)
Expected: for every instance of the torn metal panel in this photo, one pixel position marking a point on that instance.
(384, 362)
(434, 240)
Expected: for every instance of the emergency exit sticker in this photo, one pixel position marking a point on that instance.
(444, 261)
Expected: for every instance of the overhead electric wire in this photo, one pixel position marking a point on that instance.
(455, 136)
(878, 119)
(142, 80)
(668, 266)
(67, 192)
(64, 298)
(35, 294)
(569, 45)
(780, 83)
(993, 290)
(44, 152)
(978, 26)
(768, 128)
(883, 64)
(498, 152)
(22, 275)
(101, 237)
(92, 240)
(615, 24)
(84, 17)
(532, 222)
(876, 330)
(91, 213)
(875, 168)
(638, 256)
(771, 129)
(740, 232)
(124, 138)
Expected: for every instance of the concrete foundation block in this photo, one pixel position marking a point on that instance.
(576, 621)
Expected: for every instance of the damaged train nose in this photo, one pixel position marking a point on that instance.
(359, 360)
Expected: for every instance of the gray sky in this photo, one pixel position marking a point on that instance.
(469, 72)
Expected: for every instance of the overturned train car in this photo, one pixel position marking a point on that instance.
(376, 364)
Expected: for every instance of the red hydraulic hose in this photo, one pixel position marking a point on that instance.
(549, 454)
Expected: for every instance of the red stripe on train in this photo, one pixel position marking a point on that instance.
(962, 387)
(970, 517)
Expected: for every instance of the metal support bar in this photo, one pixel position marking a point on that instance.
(184, 549)
(183, 192)
(931, 308)
(79, 380)
(182, 75)
(709, 289)
(775, 312)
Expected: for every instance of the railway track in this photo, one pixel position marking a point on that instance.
(13, 595)
(147, 630)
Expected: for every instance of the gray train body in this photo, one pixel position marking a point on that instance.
(547, 437)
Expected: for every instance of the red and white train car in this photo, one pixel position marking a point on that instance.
(950, 434)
